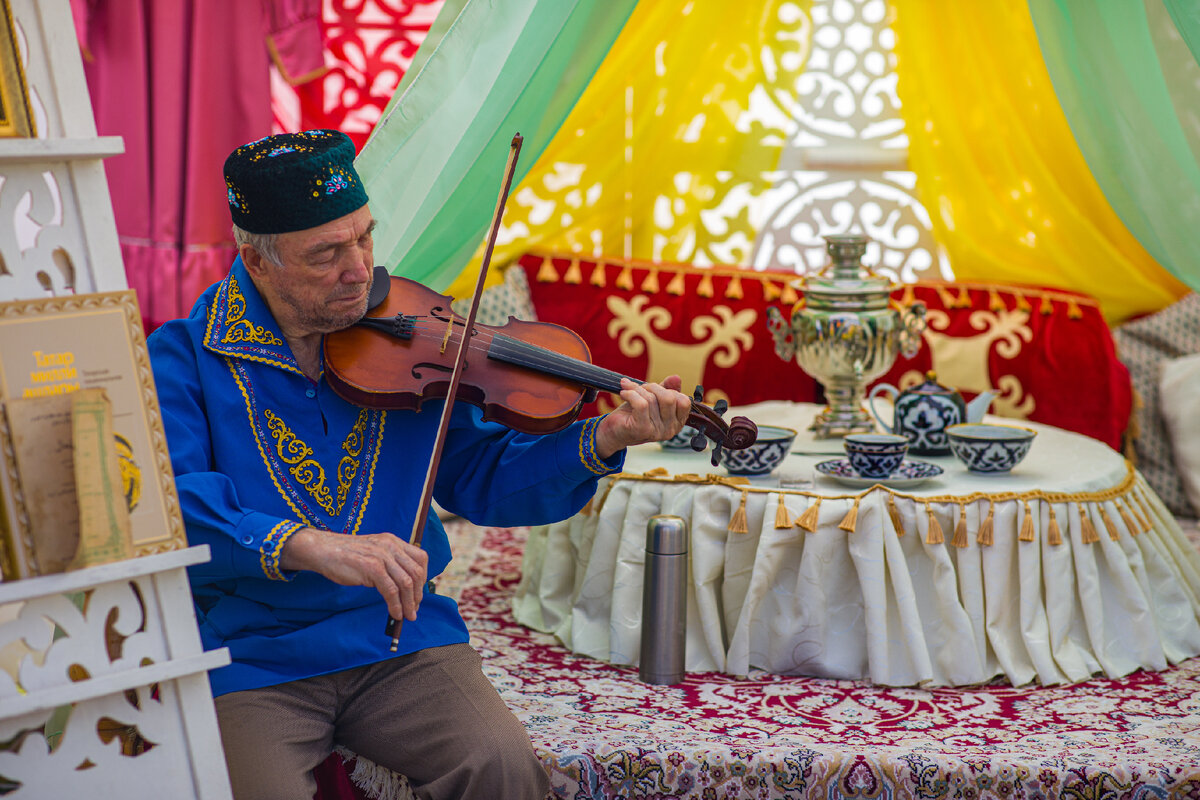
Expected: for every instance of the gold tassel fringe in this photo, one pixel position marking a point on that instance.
(1023, 303)
(625, 279)
(811, 517)
(738, 523)
(995, 301)
(850, 521)
(733, 291)
(894, 513)
(771, 292)
(1131, 525)
(546, 272)
(1113, 533)
(598, 277)
(788, 295)
(1089, 535)
(960, 528)
(1053, 532)
(934, 535)
(1148, 521)
(1073, 310)
(783, 518)
(574, 275)
(677, 288)
(1026, 534)
(986, 537)
(650, 284)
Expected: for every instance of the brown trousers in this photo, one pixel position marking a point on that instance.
(431, 716)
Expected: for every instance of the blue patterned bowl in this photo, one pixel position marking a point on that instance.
(875, 455)
(682, 440)
(767, 452)
(989, 448)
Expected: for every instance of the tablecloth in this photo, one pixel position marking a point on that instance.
(1067, 567)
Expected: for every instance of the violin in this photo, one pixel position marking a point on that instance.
(533, 377)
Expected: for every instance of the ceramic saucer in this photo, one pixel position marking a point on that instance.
(910, 474)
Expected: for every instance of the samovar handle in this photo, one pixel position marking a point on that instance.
(911, 337)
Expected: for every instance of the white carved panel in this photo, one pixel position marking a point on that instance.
(57, 232)
(845, 166)
(109, 656)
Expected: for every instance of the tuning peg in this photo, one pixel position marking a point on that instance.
(721, 406)
(716, 453)
(698, 393)
(699, 441)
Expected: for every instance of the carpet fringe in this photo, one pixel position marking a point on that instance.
(379, 783)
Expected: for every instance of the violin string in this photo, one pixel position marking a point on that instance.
(533, 356)
(536, 357)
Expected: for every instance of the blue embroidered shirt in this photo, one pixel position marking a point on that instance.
(259, 451)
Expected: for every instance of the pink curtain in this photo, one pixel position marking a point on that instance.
(184, 82)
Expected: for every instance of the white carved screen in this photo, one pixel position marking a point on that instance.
(845, 165)
(103, 680)
(57, 233)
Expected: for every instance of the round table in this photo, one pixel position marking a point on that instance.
(1066, 567)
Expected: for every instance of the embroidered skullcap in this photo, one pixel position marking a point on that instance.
(293, 181)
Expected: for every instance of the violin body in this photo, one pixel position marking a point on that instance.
(533, 377)
(405, 372)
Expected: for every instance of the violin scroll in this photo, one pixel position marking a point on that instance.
(739, 433)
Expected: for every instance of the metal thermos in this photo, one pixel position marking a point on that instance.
(664, 601)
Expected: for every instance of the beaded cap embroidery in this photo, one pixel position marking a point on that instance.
(293, 181)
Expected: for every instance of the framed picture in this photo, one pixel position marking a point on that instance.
(62, 345)
(16, 118)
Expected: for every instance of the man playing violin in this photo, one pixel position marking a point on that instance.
(300, 495)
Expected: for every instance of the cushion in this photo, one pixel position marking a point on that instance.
(1048, 354)
(1143, 345)
(1179, 402)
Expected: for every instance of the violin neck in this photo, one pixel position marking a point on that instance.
(531, 356)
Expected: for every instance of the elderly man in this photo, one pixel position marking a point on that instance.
(306, 500)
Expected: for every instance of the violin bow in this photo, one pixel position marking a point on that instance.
(418, 530)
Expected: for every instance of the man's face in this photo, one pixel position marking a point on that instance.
(324, 281)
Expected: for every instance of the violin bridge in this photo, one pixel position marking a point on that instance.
(446, 338)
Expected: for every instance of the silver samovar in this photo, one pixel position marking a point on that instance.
(844, 333)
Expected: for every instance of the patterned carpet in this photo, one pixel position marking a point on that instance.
(604, 734)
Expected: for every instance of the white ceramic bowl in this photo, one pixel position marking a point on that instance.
(989, 448)
(767, 452)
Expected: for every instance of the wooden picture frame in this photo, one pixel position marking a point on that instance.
(16, 117)
(58, 345)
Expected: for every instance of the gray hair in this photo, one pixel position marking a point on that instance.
(267, 244)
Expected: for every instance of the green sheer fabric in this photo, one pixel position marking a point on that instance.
(1117, 72)
(488, 69)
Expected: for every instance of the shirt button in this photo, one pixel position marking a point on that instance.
(247, 539)
(311, 392)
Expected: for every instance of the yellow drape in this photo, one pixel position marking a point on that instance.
(658, 138)
(1010, 195)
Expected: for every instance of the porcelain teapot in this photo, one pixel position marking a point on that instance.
(923, 413)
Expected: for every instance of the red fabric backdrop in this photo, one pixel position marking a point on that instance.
(1047, 353)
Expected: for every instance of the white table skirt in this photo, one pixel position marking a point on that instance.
(1097, 579)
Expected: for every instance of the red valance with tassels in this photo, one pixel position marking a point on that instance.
(1047, 353)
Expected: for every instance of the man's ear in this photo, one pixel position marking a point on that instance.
(255, 263)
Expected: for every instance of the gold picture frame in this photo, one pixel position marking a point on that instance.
(16, 117)
(59, 345)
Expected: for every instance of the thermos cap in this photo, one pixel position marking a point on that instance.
(666, 535)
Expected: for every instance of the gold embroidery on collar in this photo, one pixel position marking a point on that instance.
(307, 472)
(243, 330)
